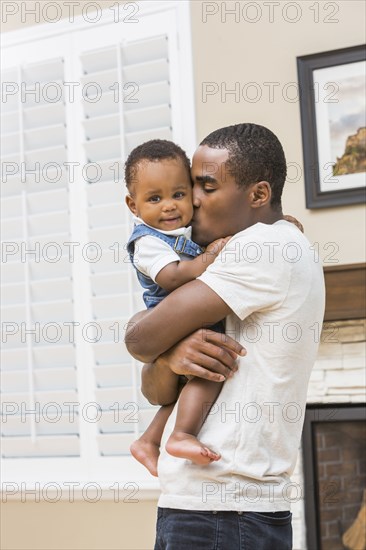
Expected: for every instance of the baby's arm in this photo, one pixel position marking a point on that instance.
(177, 274)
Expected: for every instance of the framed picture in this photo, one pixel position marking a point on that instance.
(332, 103)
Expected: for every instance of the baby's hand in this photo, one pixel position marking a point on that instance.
(295, 222)
(214, 249)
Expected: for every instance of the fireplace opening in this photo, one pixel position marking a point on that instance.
(334, 454)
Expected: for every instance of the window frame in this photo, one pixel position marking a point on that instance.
(90, 468)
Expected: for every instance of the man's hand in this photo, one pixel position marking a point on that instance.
(205, 354)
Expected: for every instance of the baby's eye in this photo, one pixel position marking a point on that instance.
(179, 195)
(154, 198)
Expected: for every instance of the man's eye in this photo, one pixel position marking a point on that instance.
(209, 189)
(155, 198)
(179, 195)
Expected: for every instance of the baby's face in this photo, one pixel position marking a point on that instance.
(162, 194)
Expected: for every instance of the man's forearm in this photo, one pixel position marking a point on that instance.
(185, 310)
(158, 383)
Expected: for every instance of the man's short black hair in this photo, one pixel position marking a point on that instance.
(153, 151)
(255, 154)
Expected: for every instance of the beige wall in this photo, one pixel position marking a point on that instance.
(266, 52)
(17, 15)
(79, 525)
(223, 53)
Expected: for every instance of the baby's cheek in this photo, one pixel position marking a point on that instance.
(189, 210)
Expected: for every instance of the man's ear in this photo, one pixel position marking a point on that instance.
(260, 194)
(130, 201)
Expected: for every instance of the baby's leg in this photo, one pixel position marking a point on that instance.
(146, 448)
(195, 401)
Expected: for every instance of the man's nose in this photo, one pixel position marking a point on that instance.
(195, 197)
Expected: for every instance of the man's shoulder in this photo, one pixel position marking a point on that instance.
(279, 232)
(279, 248)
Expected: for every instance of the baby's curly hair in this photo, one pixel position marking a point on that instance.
(154, 150)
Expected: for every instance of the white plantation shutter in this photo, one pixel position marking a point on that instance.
(131, 83)
(112, 130)
(37, 370)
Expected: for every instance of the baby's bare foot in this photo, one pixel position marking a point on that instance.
(147, 453)
(184, 445)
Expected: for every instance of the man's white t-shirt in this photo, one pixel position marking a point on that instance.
(273, 283)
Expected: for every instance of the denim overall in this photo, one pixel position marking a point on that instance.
(154, 294)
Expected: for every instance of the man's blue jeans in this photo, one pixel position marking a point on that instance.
(196, 530)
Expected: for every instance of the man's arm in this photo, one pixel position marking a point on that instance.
(190, 307)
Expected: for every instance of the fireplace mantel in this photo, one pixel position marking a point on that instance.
(345, 292)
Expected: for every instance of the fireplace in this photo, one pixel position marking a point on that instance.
(334, 462)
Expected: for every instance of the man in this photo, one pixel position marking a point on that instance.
(269, 286)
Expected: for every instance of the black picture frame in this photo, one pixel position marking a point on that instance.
(306, 65)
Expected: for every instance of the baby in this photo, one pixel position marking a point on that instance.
(158, 181)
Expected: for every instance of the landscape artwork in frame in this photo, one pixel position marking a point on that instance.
(333, 120)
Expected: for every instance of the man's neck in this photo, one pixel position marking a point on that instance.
(269, 216)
